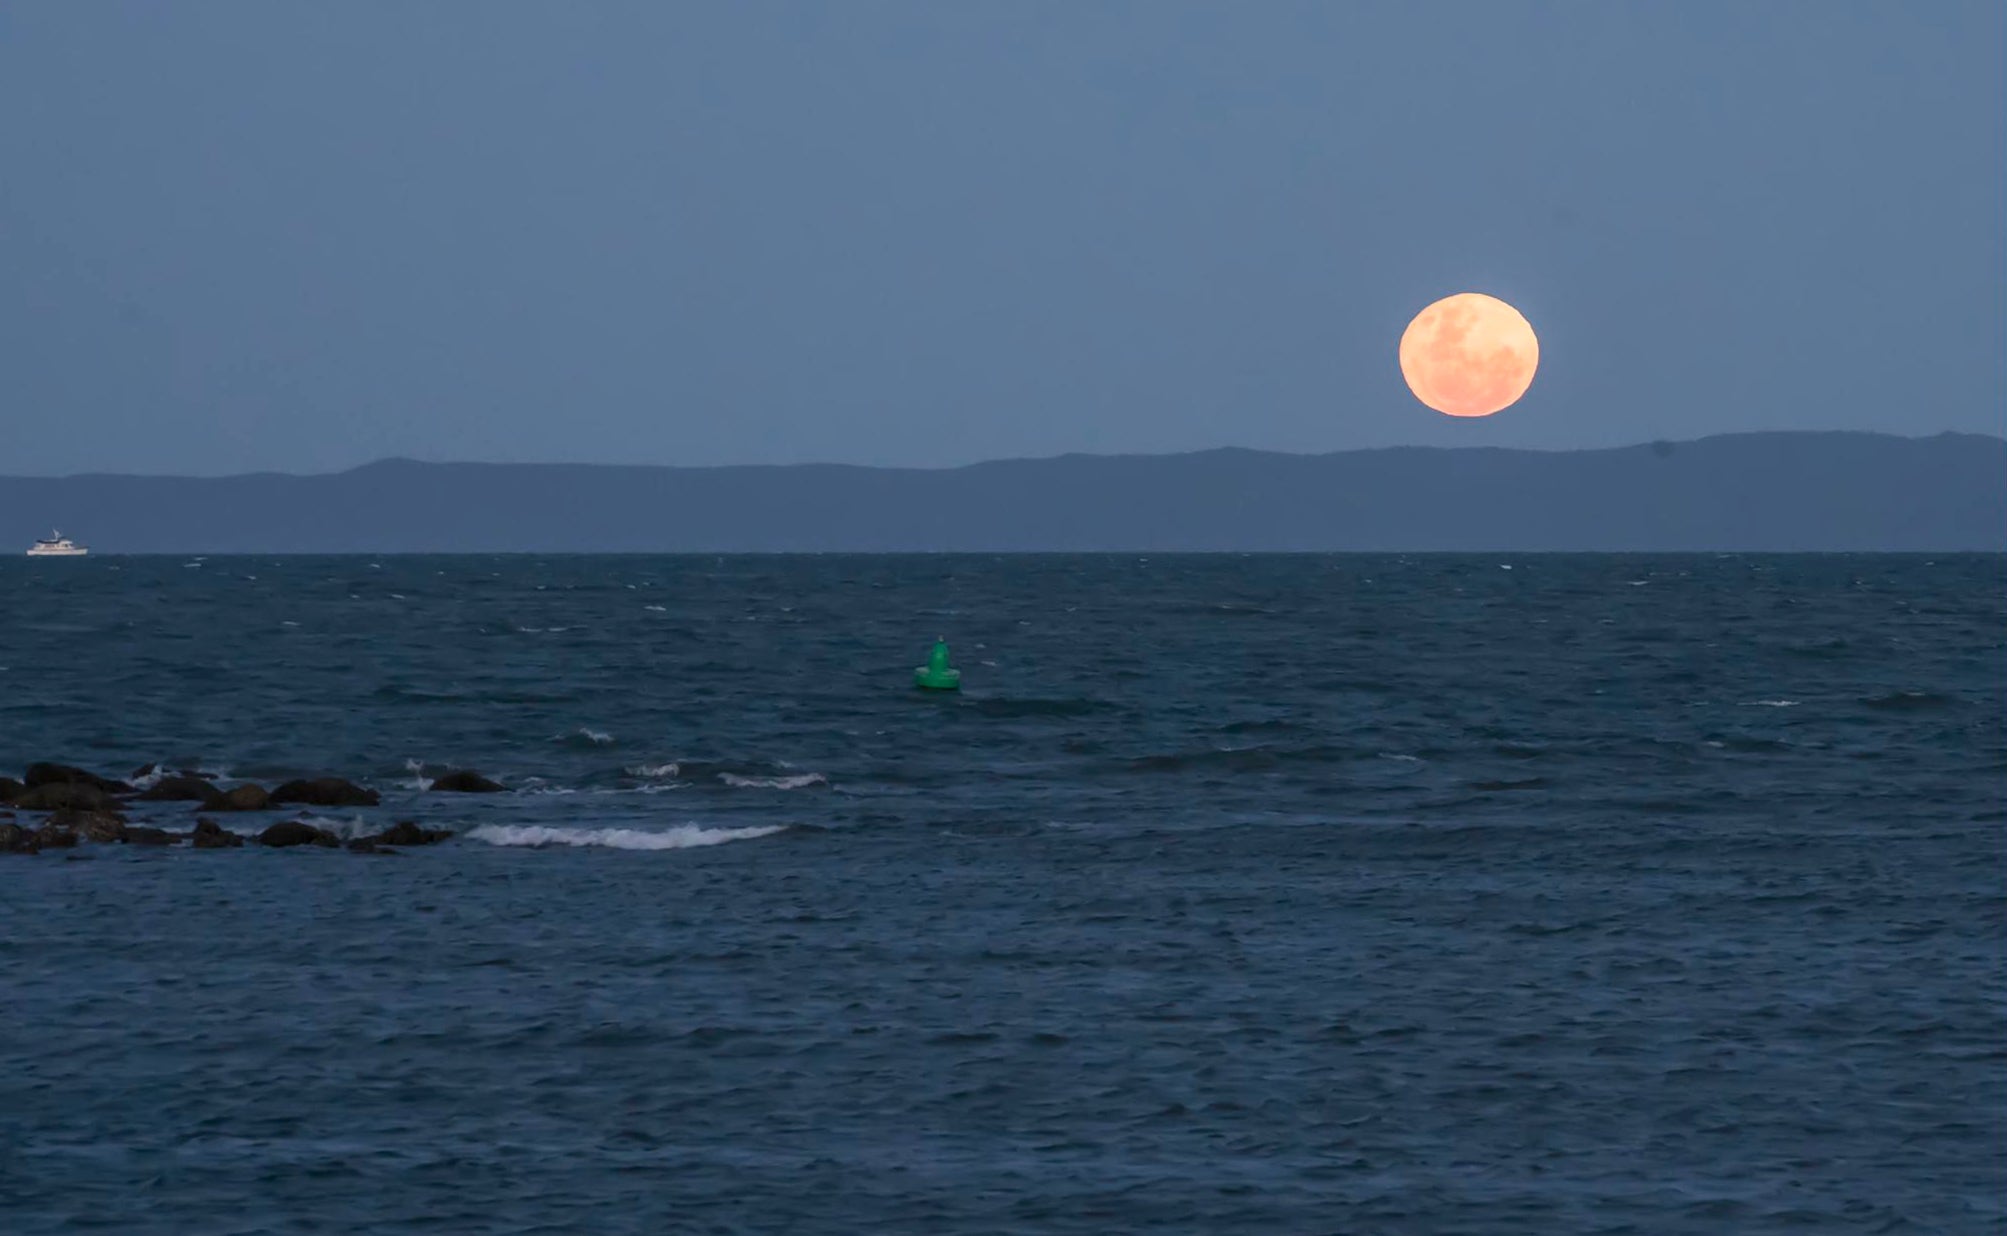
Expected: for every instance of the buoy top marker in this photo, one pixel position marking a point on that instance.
(937, 674)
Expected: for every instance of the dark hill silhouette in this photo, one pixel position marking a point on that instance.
(1763, 491)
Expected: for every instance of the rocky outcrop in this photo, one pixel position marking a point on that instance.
(182, 788)
(325, 792)
(10, 789)
(101, 827)
(54, 837)
(209, 835)
(296, 832)
(465, 781)
(64, 774)
(142, 835)
(15, 839)
(64, 795)
(407, 832)
(246, 797)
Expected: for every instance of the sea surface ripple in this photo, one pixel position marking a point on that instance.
(1431, 894)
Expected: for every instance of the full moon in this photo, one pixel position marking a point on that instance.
(1469, 355)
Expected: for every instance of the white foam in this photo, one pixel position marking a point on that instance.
(1399, 758)
(796, 782)
(681, 838)
(1771, 704)
(419, 781)
(670, 769)
(347, 830)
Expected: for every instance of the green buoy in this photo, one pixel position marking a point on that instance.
(936, 675)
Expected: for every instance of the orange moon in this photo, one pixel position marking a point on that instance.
(1469, 355)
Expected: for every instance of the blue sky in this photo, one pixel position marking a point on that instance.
(258, 235)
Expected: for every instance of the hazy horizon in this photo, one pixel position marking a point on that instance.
(977, 463)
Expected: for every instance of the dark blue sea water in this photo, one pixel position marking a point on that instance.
(1275, 894)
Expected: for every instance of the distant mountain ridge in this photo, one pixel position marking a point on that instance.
(1805, 491)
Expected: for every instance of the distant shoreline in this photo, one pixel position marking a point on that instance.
(1788, 492)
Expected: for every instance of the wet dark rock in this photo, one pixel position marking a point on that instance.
(180, 789)
(325, 792)
(15, 839)
(297, 832)
(466, 781)
(142, 835)
(58, 796)
(54, 837)
(101, 827)
(407, 832)
(64, 774)
(246, 797)
(10, 789)
(209, 835)
(142, 772)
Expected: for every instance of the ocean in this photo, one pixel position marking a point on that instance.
(1350, 894)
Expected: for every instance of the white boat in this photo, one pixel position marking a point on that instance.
(56, 546)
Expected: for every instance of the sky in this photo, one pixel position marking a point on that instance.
(297, 237)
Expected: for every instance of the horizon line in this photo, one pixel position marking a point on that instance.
(391, 460)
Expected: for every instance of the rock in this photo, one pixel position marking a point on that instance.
(209, 835)
(325, 792)
(15, 839)
(296, 832)
(54, 837)
(180, 789)
(142, 772)
(63, 774)
(58, 796)
(466, 781)
(101, 827)
(246, 797)
(407, 832)
(11, 789)
(141, 835)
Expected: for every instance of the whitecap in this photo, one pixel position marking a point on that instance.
(1770, 704)
(347, 830)
(681, 838)
(1405, 759)
(796, 782)
(660, 609)
(419, 781)
(670, 769)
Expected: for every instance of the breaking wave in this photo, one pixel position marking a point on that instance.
(796, 782)
(681, 838)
